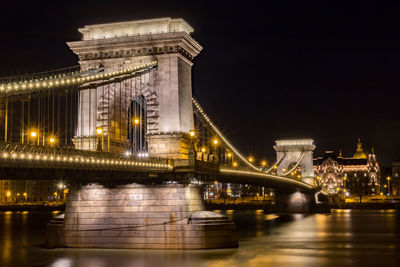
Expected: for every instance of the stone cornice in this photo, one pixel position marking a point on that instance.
(294, 148)
(153, 41)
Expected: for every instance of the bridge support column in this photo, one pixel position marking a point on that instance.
(139, 216)
(296, 202)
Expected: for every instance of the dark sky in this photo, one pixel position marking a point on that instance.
(328, 70)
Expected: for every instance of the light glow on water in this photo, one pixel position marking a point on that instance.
(345, 237)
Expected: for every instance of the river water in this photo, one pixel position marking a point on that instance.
(342, 238)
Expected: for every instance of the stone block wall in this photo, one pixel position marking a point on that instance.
(139, 216)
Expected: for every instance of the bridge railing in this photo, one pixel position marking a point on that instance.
(38, 76)
(34, 156)
(78, 80)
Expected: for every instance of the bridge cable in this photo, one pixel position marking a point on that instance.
(221, 136)
(277, 163)
(295, 166)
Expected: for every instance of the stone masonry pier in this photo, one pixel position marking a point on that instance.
(139, 216)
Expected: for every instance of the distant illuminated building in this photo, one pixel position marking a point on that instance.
(395, 181)
(357, 174)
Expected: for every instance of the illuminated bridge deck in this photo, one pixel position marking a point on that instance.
(37, 159)
(22, 161)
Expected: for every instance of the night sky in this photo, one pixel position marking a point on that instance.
(286, 69)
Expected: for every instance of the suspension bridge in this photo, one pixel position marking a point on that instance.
(124, 128)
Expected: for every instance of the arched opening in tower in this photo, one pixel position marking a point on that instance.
(137, 126)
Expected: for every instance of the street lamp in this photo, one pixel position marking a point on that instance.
(136, 121)
(263, 163)
(33, 134)
(388, 181)
(99, 132)
(203, 150)
(52, 140)
(250, 159)
(215, 141)
(61, 185)
(192, 133)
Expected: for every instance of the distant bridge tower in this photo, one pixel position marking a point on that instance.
(293, 154)
(164, 94)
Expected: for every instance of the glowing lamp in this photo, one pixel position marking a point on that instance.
(263, 163)
(99, 131)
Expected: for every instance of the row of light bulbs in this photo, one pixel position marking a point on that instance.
(51, 82)
(197, 105)
(249, 161)
(30, 156)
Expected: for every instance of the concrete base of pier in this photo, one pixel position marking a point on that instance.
(139, 216)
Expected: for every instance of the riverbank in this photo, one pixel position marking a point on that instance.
(32, 207)
(367, 206)
(271, 208)
(267, 207)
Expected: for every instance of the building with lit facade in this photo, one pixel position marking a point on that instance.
(20, 191)
(394, 182)
(359, 174)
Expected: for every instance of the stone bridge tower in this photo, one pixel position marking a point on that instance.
(296, 151)
(167, 90)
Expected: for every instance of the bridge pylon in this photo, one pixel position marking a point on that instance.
(167, 90)
(294, 155)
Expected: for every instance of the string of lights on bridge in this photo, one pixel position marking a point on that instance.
(225, 141)
(69, 79)
(248, 161)
(90, 160)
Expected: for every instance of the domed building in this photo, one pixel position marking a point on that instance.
(360, 154)
(351, 175)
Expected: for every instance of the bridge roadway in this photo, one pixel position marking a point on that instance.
(24, 161)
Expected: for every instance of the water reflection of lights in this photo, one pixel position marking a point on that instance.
(298, 216)
(63, 262)
(388, 211)
(269, 217)
(341, 210)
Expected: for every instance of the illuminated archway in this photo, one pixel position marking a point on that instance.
(137, 126)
